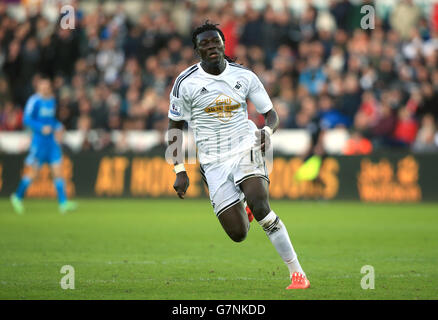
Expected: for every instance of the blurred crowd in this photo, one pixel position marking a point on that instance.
(114, 73)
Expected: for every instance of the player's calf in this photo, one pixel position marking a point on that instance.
(237, 232)
(277, 233)
(235, 222)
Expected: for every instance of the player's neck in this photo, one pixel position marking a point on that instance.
(214, 68)
(45, 96)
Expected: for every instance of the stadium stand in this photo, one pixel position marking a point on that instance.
(114, 71)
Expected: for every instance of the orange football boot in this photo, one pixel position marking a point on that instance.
(249, 213)
(299, 281)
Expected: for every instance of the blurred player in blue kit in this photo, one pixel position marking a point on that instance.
(39, 116)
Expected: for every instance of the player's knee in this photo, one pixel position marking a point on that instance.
(57, 176)
(259, 207)
(238, 236)
(30, 174)
(56, 172)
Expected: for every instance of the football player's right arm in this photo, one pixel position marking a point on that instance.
(174, 143)
(29, 119)
(179, 113)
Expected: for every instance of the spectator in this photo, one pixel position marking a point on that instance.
(329, 117)
(66, 48)
(382, 130)
(10, 118)
(357, 145)
(368, 112)
(425, 140)
(4, 92)
(350, 100)
(404, 17)
(340, 10)
(109, 61)
(252, 28)
(313, 77)
(118, 71)
(429, 102)
(406, 128)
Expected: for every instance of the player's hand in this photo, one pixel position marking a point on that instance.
(46, 130)
(263, 140)
(59, 135)
(181, 184)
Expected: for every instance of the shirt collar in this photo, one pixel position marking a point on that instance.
(213, 75)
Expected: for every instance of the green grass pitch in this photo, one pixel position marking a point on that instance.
(176, 249)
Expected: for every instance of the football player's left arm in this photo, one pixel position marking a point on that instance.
(263, 104)
(59, 132)
(263, 136)
(272, 120)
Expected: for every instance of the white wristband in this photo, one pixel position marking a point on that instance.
(179, 168)
(268, 130)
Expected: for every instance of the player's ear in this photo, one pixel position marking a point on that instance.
(197, 52)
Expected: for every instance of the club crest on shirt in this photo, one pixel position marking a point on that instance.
(223, 108)
(46, 112)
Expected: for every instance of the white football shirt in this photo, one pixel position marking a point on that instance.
(215, 108)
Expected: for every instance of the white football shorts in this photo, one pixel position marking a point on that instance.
(223, 178)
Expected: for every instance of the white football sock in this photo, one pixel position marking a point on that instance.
(277, 233)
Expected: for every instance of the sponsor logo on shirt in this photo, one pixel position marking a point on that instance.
(223, 108)
(175, 110)
(46, 112)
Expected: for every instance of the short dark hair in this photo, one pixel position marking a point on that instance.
(207, 26)
(44, 76)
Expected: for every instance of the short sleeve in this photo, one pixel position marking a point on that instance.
(179, 107)
(258, 95)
